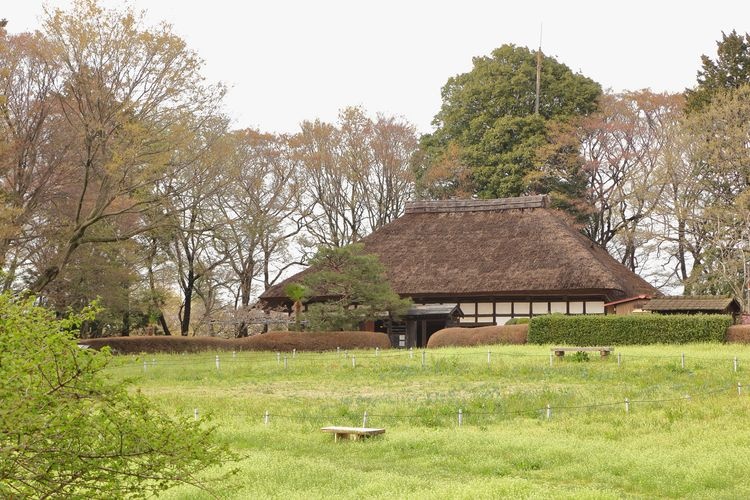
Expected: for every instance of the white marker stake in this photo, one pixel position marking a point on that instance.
(145, 366)
(364, 420)
(286, 364)
(739, 388)
(683, 359)
(217, 362)
(424, 354)
(278, 358)
(265, 418)
(627, 405)
(619, 359)
(549, 412)
(411, 353)
(460, 417)
(735, 363)
(489, 354)
(377, 351)
(294, 353)
(234, 354)
(550, 359)
(354, 362)
(195, 413)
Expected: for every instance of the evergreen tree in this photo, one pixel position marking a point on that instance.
(730, 70)
(488, 125)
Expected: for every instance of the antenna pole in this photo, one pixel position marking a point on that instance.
(538, 72)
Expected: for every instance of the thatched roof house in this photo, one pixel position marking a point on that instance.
(496, 259)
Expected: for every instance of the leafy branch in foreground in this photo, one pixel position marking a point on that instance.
(66, 430)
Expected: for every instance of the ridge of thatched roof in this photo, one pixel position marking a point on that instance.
(481, 248)
(692, 303)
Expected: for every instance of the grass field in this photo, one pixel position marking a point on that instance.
(686, 433)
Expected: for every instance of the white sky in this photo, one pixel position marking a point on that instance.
(291, 60)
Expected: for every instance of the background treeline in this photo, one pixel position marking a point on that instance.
(121, 177)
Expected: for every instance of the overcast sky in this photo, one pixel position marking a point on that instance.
(291, 60)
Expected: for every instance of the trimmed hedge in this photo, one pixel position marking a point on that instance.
(483, 335)
(739, 334)
(273, 341)
(589, 330)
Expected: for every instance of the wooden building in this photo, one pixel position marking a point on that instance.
(495, 260)
(627, 305)
(701, 304)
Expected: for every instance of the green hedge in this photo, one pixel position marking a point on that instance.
(588, 330)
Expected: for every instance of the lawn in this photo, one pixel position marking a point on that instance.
(685, 434)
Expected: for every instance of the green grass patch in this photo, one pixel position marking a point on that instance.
(666, 446)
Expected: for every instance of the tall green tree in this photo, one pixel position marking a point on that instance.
(353, 288)
(730, 70)
(488, 125)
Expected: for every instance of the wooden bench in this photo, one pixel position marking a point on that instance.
(353, 433)
(603, 351)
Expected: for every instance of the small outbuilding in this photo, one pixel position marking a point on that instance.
(704, 304)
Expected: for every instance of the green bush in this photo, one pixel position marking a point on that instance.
(518, 321)
(68, 431)
(587, 330)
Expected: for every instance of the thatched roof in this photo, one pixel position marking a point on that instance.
(694, 303)
(484, 248)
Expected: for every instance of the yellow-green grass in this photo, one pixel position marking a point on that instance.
(667, 445)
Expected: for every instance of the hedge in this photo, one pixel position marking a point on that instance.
(483, 335)
(273, 341)
(588, 330)
(738, 334)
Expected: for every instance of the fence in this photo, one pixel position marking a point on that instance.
(281, 362)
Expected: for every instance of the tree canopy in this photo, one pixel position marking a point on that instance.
(354, 288)
(487, 123)
(730, 70)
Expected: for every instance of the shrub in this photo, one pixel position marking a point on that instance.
(273, 341)
(67, 431)
(587, 330)
(739, 334)
(483, 335)
(518, 321)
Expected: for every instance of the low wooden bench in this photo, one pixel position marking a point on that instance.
(603, 351)
(353, 433)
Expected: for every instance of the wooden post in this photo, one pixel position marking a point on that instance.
(683, 359)
(294, 353)
(423, 357)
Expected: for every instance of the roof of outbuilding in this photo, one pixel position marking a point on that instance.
(692, 303)
(465, 248)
